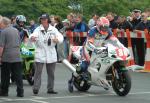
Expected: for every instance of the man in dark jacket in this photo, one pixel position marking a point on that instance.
(136, 18)
(141, 46)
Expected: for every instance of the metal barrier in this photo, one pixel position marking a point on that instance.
(75, 38)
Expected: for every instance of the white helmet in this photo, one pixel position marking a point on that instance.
(102, 25)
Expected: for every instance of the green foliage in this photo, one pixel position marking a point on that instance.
(34, 8)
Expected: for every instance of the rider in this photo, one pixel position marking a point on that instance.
(20, 26)
(23, 33)
(98, 36)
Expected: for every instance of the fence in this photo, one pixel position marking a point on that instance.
(75, 39)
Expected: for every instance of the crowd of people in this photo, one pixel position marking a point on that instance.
(49, 33)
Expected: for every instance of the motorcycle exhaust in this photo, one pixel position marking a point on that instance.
(69, 65)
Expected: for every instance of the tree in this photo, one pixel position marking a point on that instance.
(34, 8)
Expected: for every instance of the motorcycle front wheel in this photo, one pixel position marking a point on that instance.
(31, 74)
(122, 85)
(81, 85)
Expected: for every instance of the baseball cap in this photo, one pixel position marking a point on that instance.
(136, 10)
(65, 21)
(44, 16)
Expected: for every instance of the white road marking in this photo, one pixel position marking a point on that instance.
(38, 99)
(140, 93)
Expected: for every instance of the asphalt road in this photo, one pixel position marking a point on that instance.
(140, 91)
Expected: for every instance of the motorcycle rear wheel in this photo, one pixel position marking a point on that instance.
(122, 85)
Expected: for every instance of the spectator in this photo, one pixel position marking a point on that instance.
(141, 47)
(13, 20)
(65, 25)
(45, 37)
(59, 48)
(111, 17)
(32, 26)
(70, 18)
(138, 44)
(57, 23)
(136, 17)
(80, 26)
(123, 25)
(92, 21)
(10, 58)
(147, 11)
(144, 24)
(66, 40)
(52, 19)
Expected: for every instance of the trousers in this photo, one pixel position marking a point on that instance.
(16, 70)
(50, 67)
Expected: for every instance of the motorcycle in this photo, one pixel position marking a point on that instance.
(27, 54)
(107, 69)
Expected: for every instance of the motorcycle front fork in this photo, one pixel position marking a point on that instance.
(71, 79)
(114, 74)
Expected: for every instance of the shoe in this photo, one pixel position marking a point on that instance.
(20, 95)
(59, 61)
(52, 92)
(4, 94)
(35, 91)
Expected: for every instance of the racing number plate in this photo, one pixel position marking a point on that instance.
(121, 53)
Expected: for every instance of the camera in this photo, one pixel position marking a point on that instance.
(49, 42)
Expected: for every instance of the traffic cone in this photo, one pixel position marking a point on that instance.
(69, 35)
(115, 32)
(147, 56)
(131, 61)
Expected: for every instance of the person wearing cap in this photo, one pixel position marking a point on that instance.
(45, 37)
(141, 46)
(137, 17)
(137, 43)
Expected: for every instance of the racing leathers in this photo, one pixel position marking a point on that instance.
(94, 40)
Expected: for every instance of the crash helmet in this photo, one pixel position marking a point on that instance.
(20, 18)
(102, 25)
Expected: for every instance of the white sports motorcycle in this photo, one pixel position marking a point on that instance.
(107, 69)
